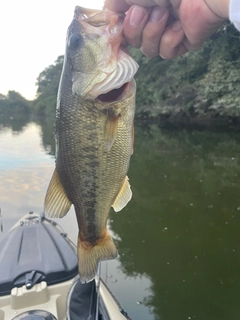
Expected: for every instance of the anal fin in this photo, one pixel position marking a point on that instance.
(123, 197)
(56, 203)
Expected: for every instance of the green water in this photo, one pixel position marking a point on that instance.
(178, 239)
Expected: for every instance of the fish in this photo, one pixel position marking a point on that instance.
(94, 133)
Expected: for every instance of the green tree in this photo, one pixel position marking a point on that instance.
(13, 106)
(200, 84)
(47, 83)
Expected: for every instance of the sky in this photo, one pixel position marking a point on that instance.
(32, 36)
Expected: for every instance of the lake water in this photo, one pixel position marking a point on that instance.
(179, 237)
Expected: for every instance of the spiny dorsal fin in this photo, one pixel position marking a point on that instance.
(56, 203)
(110, 130)
(123, 197)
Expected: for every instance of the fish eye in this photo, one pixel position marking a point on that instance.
(75, 41)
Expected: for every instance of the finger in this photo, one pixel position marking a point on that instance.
(149, 3)
(116, 5)
(134, 24)
(153, 30)
(172, 42)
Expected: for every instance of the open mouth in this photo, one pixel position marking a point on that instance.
(113, 95)
(117, 83)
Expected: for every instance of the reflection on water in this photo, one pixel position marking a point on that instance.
(24, 169)
(47, 134)
(182, 226)
(178, 239)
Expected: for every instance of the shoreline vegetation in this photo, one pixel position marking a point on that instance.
(200, 87)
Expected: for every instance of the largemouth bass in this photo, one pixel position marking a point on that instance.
(94, 133)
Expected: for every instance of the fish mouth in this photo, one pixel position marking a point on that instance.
(116, 83)
(114, 95)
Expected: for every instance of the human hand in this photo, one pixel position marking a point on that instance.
(144, 23)
(123, 5)
(194, 22)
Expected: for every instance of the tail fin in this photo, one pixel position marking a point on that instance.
(90, 255)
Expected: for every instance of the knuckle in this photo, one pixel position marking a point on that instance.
(151, 33)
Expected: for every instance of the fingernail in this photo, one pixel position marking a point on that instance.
(146, 54)
(177, 26)
(137, 16)
(157, 14)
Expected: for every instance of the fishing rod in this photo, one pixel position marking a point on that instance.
(98, 290)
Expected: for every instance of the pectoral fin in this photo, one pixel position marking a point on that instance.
(123, 197)
(56, 203)
(110, 130)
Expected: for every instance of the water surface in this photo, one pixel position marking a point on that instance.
(178, 239)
